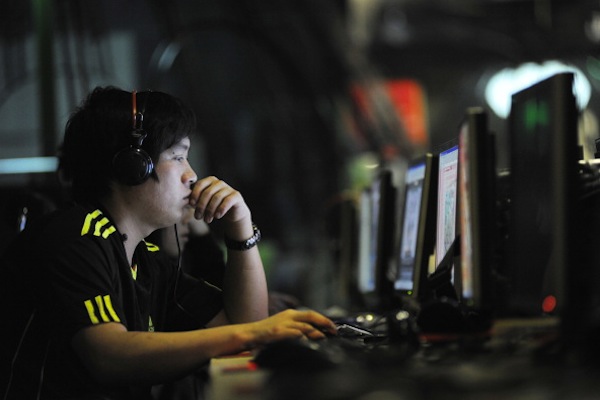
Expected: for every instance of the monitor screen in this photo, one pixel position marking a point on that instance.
(544, 153)
(417, 230)
(367, 242)
(447, 199)
(477, 175)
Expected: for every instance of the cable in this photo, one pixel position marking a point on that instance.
(179, 271)
(16, 355)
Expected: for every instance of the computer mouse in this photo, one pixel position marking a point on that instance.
(297, 354)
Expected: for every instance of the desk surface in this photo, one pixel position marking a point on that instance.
(475, 379)
(235, 377)
(439, 371)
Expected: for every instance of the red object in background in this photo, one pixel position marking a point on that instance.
(549, 304)
(408, 100)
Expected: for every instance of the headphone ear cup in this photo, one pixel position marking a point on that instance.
(132, 166)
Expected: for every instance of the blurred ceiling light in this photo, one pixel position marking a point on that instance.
(28, 165)
(361, 19)
(593, 67)
(394, 26)
(504, 83)
(165, 54)
(592, 27)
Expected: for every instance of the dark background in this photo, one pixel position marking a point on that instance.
(271, 84)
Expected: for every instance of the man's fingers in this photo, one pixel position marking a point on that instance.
(319, 321)
(213, 198)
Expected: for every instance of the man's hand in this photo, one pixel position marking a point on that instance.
(214, 199)
(292, 324)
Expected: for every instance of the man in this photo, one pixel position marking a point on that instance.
(94, 312)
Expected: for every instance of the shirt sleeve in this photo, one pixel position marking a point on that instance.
(85, 286)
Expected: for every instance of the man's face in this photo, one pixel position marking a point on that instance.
(168, 197)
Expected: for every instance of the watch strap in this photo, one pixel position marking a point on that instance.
(244, 244)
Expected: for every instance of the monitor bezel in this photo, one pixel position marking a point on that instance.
(425, 240)
(477, 180)
(378, 296)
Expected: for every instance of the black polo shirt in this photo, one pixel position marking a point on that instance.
(70, 271)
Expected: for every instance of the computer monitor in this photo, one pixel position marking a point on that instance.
(447, 200)
(417, 229)
(366, 244)
(443, 281)
(477, 200)
(377, 212)
(543, 190)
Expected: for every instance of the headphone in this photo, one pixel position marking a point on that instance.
(132, 165)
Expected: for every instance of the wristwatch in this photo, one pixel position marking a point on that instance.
(244, 244)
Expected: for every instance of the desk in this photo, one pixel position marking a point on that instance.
(448, 371)
(235, 377)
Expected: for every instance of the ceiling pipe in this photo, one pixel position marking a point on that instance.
(42, 12)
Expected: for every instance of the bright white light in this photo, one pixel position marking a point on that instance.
(28, 165)
(508, 81)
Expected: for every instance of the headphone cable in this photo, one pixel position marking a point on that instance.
(179, 271)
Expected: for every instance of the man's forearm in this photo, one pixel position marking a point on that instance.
(245, 287)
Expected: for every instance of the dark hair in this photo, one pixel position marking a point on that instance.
(102, 126)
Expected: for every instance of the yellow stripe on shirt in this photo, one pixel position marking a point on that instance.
(110, 309)
(151, 246)
(91, 312)
(108, 231)
(103, 227)
(101, 310)
(88, 221)
(100, 305)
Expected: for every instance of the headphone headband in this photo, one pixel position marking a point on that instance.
(138, 117)
(132, 165)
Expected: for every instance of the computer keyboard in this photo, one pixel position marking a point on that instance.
(350, 331)
(366, 320)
